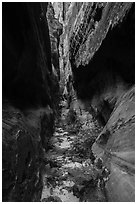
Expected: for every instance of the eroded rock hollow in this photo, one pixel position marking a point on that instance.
(68, 102)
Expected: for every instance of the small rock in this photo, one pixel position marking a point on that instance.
(75, 191)
(52, 199)
(99, 163)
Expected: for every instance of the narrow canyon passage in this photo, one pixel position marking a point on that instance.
(68, 102)
(72, 173)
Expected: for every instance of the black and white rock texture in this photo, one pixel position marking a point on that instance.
(98, 50)
(29, 100)
(84, 51)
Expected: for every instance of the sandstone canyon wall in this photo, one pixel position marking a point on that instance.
(86, 49)
(29, 99)
(97, 48)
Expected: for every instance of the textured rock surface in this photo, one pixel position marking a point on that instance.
(91, 26)
(22, 154)
(96, 54)
(29, 85)
(97, 50)
(116, 146)
(55, 30)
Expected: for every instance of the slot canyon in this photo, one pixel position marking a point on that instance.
(68, 102)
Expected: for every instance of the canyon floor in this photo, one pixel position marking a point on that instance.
(71, 172)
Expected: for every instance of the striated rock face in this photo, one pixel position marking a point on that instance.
(98, 51)
(29, 101)
(55, 30)
(91, 26)
(116, 146)
(98, 46)
(111, 68)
